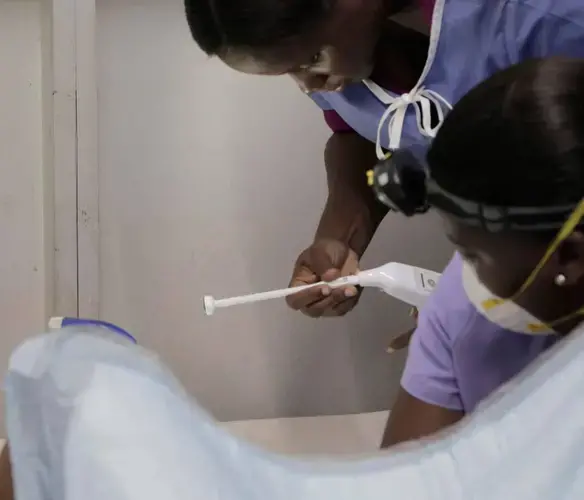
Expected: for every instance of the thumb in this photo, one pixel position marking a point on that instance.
(401, 341)
(328, 257)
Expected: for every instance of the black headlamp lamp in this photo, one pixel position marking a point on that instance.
(401, 183)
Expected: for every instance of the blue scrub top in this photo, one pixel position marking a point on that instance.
(456, 356)
(474, 39)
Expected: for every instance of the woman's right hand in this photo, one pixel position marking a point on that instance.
(324, 260)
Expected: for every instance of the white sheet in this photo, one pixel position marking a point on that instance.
(330, 434)
(91, 417)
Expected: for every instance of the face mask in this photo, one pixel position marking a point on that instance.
(505, 312)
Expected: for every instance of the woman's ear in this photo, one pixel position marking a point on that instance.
(570, 259)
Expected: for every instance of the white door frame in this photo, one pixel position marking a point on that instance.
(87, 161)
(70, 158)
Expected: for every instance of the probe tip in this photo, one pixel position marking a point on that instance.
(209, 305)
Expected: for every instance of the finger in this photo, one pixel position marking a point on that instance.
(322, 262)
(319, 308)
(344, 293)
(303, 299)
(303, 277)
(328, 307)
(414, 313)
(331, 275)
(350, 267)
(401, 341)
(344, 300)
(341, 308)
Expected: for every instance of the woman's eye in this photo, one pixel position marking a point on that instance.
(319, 63)
(316, 58)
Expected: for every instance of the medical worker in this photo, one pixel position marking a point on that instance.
(382, 86)
(517, 219)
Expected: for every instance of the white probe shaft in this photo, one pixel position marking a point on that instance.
(211, 304)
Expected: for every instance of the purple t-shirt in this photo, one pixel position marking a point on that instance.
(456, 356)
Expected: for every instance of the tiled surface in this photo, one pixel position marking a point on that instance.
(315, 435)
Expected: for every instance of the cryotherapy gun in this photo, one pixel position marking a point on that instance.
(409, 284)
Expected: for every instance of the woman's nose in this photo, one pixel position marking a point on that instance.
(314, 83)
(335, 83)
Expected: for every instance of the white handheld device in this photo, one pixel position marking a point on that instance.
(409, 284)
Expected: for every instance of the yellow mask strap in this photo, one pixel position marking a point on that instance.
(566, 230)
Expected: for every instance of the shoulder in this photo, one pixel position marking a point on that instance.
(568, 10)
(447, 318)
(448, 311)
(543, 28)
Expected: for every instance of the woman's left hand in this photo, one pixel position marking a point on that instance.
(403, 339)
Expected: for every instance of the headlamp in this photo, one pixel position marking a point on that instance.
(401, 183)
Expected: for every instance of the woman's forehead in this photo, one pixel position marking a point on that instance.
(246, 63)
(274, 61)
(466, 236)
(506, 243)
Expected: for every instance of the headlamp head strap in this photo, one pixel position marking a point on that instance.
(494, 218)
(401, 183)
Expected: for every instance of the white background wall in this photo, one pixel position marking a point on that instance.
(212, 182)
(22, 264)
(208, 182)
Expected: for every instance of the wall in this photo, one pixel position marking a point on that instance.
(22, 258)
(211, 182)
